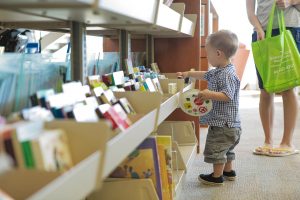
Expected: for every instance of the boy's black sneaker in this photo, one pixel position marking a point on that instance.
(210, 180)
(230, 176)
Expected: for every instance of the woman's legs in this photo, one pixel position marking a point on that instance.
(290, 111)
(266, 111)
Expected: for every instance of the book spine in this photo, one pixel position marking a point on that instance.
(9, 149)
(27, 154)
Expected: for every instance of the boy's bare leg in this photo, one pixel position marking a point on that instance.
(290, 111)
(218, 170)
(228, 166)
(266, 111)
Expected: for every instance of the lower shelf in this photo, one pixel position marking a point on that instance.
(188, 154)
(133, 189)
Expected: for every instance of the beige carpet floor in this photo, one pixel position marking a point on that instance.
(259, 177)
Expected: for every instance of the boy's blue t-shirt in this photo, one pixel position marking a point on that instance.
(224, 79)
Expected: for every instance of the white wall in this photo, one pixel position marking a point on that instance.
(233, 16)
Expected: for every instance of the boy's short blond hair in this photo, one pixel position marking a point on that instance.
(225, 41)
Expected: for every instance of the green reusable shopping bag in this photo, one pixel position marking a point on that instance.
(277, 58)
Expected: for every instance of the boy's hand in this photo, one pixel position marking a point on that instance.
(204, 94)
(283, 4)
(182, 74)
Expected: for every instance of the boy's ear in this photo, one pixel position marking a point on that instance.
(218, 52)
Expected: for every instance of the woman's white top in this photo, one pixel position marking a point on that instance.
(291, 14)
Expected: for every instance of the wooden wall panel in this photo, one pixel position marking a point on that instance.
(138, 45)
(110, 45)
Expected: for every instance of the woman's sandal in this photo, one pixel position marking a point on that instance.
(262, 150)
(281, 152)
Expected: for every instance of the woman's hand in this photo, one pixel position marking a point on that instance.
(260, 34)
(283, 4)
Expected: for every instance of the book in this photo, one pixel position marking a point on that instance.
(6, 134)
(150, 85)
(74, 90)
(92, 101)
(22, 133)
(155, 68)
(127, 107)
(142, 163)
(85, 113)
(166, 142)
(118, 78)
(116, 115)
(129, 66)
(42, 96)
(51, 150)
(102, 112)
(96, 82)
(122, 120)
(156, 83)
(36, 113)
(108, 97)
(166, 189)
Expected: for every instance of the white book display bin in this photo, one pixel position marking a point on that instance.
(87, 143)
(184, 146)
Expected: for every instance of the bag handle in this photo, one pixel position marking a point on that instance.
(280, 17)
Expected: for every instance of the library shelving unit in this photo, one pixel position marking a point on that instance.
(101, 153)
(184, 149)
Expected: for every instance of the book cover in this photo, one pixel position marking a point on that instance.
(155, 68)
(23, 132)
(108, 97)
(129, 66)
(150, 85)
(96, 82)
(166, 142)
(6, 134)
(27, 154)
(166, 189)
(123, 119)
(42, 96)
(85, 113)
(127, 107)
(54, 149)
(102, 112)
(156, 83)
(142, 163)
(118, 78)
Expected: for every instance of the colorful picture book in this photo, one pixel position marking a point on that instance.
(51, 151)
(142, 163)
(32, 147)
